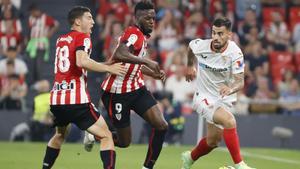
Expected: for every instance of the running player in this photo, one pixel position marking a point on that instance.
(125, 93)
(70, 100)
(220, 75)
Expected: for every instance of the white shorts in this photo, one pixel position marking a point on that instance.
(206, 107)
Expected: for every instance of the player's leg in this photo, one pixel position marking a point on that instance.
(118, 109)
(230, 135)
(159, 128)
(205, 146)
(107, 149)
(54, 146)
(146, 106)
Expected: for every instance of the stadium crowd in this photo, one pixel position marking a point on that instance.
(268, 32)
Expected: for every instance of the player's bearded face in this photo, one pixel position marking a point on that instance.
(87, 22)
(220, 36)
(145, 20)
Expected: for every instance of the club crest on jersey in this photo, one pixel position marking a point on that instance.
(118, 116)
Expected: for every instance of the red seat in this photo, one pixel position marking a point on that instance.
(280, 61)
(294, 18)
(267, 14)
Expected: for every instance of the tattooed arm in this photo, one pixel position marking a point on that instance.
(235, 86)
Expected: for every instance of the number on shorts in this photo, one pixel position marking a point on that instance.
(118, 107)
(206, 102)
(62, 59)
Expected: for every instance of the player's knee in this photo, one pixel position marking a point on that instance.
(163, 126)
(59, 138)
(123, 144)
(230, 123)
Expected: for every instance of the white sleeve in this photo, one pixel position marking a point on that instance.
(238, 63)
(195, 45)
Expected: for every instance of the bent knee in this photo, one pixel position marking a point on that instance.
(163, 126)
(230, 123)
(59, 138)
(123, 144)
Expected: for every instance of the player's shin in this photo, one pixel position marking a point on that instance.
(108, 158)
(201, 149)
(155, 145)
(50, 157)
(232, 142)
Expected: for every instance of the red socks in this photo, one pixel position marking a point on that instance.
(232, 142)
(201, 149)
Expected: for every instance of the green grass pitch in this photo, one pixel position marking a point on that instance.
(72, 156)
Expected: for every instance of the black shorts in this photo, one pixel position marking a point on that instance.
(83, 115)
(118, 106)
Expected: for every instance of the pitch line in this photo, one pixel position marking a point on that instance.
(265, 157)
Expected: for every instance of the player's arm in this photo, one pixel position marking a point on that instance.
(191, 66)
(123, 53)
(146, 71)
(83, 60)
(235, 86)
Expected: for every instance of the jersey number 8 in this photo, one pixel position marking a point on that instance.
(62, 59)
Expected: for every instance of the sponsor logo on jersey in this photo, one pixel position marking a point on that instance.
(204, 66)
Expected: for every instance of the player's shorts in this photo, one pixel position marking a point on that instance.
(118, 106)
(83, 115)
(207, 106)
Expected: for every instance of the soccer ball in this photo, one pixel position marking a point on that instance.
(227, 167)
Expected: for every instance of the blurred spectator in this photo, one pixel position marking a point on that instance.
(245, 5)
(168, 32)
(257, 58)
(113, 10)
(218, 8)
(285, 84)
(196, 26)
(41, 122)
(264, 91)
(249, 29)
(174, 58)
(296, 37)
(242, 105)
(12, 93)
(263, 94)
(181, 90)
(19, 66)
(10, 32)
(111, 34)
(290, 99)
(42, 27)
(278, 34)
(6, 6)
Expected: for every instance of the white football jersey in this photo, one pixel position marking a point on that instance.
(215, 69)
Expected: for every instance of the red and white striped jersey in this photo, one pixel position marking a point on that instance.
(39, 27)
(70, 83)
(133, 79)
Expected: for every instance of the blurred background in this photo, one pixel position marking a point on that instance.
(267, 31)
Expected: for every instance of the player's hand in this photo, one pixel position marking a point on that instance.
(161, 76)
(190, 74)
(154, 66)
(117, 69)
(225, 90)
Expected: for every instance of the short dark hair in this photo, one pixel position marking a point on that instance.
(76, 12)
(219, 22)
(143, 5)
